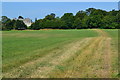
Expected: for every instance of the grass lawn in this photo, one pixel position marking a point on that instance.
(60, 53)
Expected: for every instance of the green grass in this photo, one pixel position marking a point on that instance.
(20, 47)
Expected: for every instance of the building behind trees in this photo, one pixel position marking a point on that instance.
(88, 19)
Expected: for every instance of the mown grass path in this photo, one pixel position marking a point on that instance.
(81, 58)
(93, 60)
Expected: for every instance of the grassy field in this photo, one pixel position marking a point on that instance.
(60, 54)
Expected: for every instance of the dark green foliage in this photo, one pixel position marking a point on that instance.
(35, 25)
(81, 14)
(68, 19)
(91, 18)
(77, 23)
(0, 25)
(50, 17)
(20, 17)
(8, 24)
(118, 19)
(111, 21)
(19, 25)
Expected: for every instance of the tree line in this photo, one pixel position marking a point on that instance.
(8, 24)
(88, 19)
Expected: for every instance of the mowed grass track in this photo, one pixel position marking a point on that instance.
(60, 54)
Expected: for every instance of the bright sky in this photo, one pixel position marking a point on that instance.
(41, 9)
(60, 0)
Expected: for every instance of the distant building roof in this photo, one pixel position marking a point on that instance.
(27, 21)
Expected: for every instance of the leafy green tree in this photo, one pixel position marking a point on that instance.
(4, 19)
(91, 18)
(98, 12)
(93, 21)
(89, 11)
(113, 13)
(85, 24)
(77, 23)
(19, 25)
(108, 22)
(20, 17)
(68, 20)
(7, 24)
(80, 15)
(118, 19)
(35, 25)
(0, 25)
(50, 17)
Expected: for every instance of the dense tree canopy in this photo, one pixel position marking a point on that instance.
(91, 18)
(19, 25)
(8, 24)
